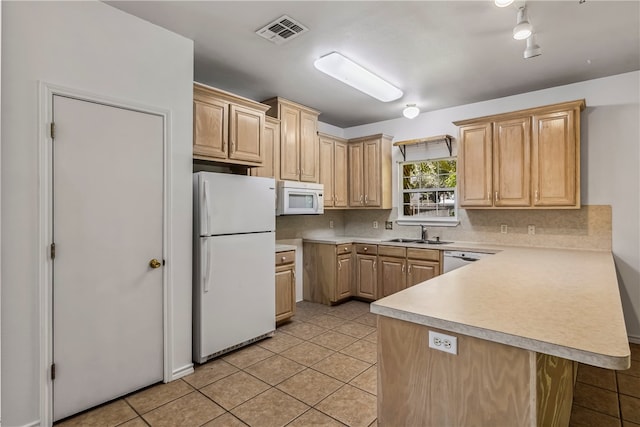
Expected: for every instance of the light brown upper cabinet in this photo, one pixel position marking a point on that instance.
(227, 128)
(333, 170)
(298, 139)
(370, 172)
(521, 160)
(271, 148)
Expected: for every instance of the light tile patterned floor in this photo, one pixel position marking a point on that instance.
(320, 370)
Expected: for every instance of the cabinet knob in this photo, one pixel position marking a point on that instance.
(284, 258)
(346, 249)
(366, 249)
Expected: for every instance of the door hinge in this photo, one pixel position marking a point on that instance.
(52, 130)
(53, 371)
(53, 251)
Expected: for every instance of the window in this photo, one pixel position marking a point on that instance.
(428, 191)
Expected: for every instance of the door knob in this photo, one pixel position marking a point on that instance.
(154, 263)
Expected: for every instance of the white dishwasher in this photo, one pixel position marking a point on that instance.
(457, 259)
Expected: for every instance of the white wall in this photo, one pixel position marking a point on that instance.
(610, 159)
(95, 48)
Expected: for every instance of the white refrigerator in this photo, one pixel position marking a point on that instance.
(233, 257)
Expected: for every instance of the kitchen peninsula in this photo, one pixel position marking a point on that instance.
(521, 318)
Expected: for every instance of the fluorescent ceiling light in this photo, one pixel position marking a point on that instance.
(503, 3)
(348, 72)
(523, 28)
(411, 111)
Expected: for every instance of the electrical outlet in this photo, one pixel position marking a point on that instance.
(442, 342)
(531, 229)
(388, 225)
(375, 224)
(331, 224)
(503, 228)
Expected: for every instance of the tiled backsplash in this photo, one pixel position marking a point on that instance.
(585, 228)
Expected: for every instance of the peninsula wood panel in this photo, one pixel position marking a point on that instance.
(511, 162)
(554, 390)
(485, 384)
(475, 165)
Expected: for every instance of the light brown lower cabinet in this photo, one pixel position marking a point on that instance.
(285, 285)
(421, 386)
(333, 273)
(328, 272)
(366, 271)
(422, 265)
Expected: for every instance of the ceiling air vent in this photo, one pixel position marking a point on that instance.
(281, 30)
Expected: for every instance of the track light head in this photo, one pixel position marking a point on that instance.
(523, 28)
(533, 49)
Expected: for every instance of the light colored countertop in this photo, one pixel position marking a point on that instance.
(555, 301)
(453, 246)
(283, 248)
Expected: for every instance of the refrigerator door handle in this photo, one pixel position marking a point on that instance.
(207, 263)
(205, 204)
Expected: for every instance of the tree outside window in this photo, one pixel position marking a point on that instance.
(429, 190)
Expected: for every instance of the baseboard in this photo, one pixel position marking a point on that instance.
(634, 339)
(32, 424)
(181, 372)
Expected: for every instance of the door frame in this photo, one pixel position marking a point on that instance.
(46, 91)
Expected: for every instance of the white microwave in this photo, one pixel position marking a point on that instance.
(299, 198)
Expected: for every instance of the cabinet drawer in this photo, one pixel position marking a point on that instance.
(426, 254)
(366, 249)
(286, 257)
(395, 251)
(345, 248)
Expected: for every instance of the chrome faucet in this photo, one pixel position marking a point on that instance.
(423, 232)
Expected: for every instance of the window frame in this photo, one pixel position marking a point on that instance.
(448, 221)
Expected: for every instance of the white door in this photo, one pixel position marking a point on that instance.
(107, 226)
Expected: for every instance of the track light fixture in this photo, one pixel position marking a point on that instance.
(533, 49)
(411, 111)
(523, 28)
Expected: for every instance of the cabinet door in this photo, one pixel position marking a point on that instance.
(270, 143)
(555, 160)
(418, 271)
(366, 276)
(343, 278)
(371, 172)
(289, 143)
(392, 277)
(474, 166)
(340, 188)
(247, 130)
(210, 133)
(356, 188)
(308, 147)
(285, 292)
(511, 162)
(326, 170)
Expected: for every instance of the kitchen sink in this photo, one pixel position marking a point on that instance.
(426, 242)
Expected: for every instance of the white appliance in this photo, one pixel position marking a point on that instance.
(457, 259)
(234, 269)
(300, 198)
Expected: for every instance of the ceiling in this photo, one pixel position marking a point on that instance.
(440, 53)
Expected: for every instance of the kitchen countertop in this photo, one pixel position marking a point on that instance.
(282, 248)
(453, 246)
(560, 302)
